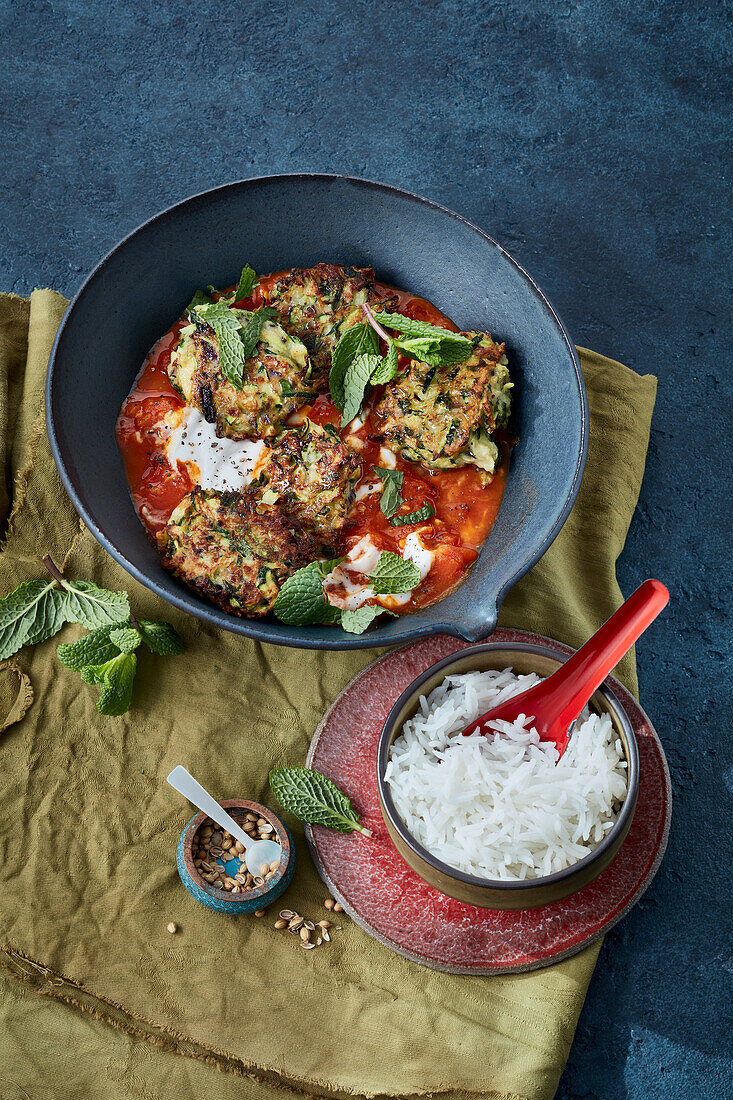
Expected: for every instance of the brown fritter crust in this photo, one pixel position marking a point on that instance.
(317, 304)
(314, 476)
(430, 413)
(276, 382)
(233, 549)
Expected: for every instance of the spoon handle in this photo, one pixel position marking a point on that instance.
(584, 672)
(183, 782)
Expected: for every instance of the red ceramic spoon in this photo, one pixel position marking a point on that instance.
(558, 700)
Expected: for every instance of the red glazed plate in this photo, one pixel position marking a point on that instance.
(385, 896)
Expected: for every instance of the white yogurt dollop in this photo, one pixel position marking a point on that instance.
(212, 463)
(346, 588)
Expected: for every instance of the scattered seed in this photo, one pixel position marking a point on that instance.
(337, 908)
(297, 922)
(308, 946)
(324, 924)
(326, 936)
(287, 914)
(319, 941)
(309, 925)
(281, 923)
(305, 935)
(172, 928)
(259, 912)
(329, 903)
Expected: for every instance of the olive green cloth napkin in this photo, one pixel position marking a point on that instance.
(89, 828)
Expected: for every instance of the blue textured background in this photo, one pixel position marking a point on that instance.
(588, 138)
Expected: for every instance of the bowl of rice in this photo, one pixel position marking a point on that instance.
(497, 821)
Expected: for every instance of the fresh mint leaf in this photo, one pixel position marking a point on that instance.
(126, 638)
(227, 329)
(410, 327)
(356, 622)
(426, 512)
(25, 612)
(443, 352)
(93, 649)
(253, 328)
(394, 574)
(357, 340)
(356, 381)
(247, 282)
(388, 368)
(314, 798)
(200, 298)
(391, 498)
(92, 606)
(51, 614)
(301, 601)
(161, 638)
(116, 677)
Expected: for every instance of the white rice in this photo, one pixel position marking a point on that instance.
(501, 806)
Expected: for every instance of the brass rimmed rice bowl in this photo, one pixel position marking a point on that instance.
(522, 657)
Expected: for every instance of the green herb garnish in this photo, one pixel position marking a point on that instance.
(394, 574)
(315, 799)
(247, 282)
(438, 347)
(388, 368)
(355, 384)
(253, 328)
(391, 498)
(302, 601)
(228, 332)
(36, 610)
(426, 512)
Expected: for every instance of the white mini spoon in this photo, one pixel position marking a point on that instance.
(259, 855)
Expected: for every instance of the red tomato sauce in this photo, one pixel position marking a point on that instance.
(465, 510)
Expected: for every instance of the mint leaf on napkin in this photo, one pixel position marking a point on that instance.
(314, 798)
(161, 637)
(116, 677)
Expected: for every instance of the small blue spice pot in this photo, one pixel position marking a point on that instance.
(223, 901)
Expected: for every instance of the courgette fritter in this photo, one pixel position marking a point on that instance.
(444, 417)
(233, 549)
(276, 380)
(312, 476)
(317, 304)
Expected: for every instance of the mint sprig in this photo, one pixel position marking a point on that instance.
(394, 575)
(227, 329)
(438, 347)
(420, 516)
(247, 282)
(36, 610)
(388, 368)
(302, 600)
(356, 381)
(253, 328)
(314, 798)
(391, 497)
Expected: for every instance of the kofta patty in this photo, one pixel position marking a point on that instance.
(312, 476)
(233, 549)
(276, 380)
(317, 304)
(443, 417)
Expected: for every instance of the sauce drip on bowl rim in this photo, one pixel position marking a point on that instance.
(153, 439)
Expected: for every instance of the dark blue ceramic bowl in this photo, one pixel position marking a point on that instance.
(140, 288)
